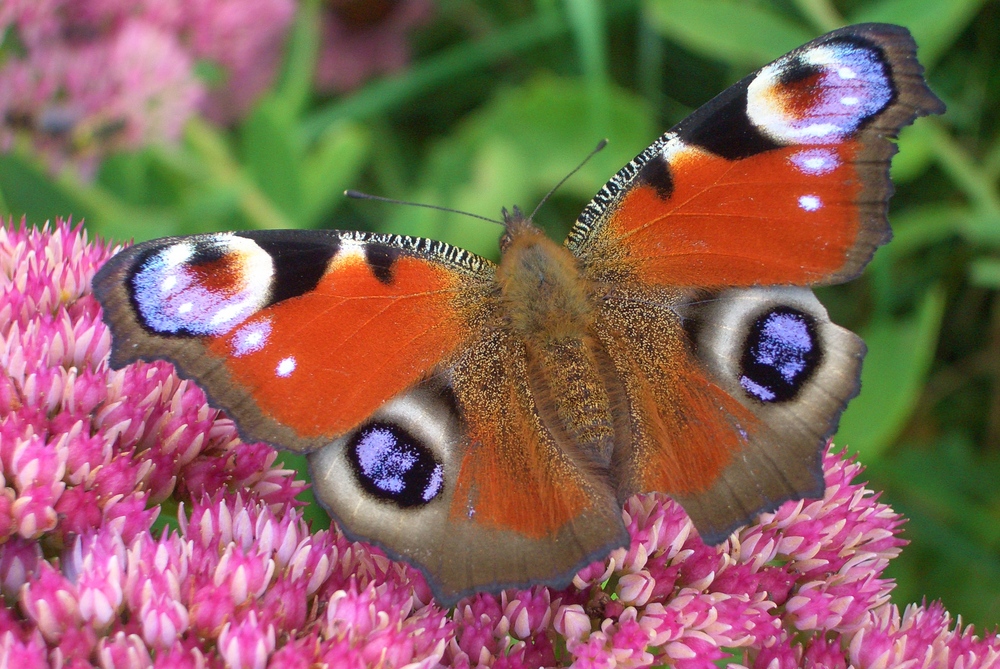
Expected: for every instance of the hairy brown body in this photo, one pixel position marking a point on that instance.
(551, 306)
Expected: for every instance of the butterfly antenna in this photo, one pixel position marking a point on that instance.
(600, 145)
(358, 195)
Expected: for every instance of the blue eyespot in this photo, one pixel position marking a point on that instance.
(393, 466)
(780, 354)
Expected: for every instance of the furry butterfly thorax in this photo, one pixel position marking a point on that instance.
(486, 422)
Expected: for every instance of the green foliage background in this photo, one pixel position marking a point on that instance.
(503, 98)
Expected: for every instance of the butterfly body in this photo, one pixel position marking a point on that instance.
(552, 308)
(487, 421)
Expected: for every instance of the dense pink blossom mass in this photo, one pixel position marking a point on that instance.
(91, 457)
(90, 76)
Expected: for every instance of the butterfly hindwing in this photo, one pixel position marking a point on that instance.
(731, 396)
(781, 179)
(777, 353)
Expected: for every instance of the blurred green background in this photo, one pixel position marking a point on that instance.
(501, 99)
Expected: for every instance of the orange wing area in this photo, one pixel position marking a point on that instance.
(685, 439)
(685, 429)
(334, 354)
(515, 476)
(755, 221)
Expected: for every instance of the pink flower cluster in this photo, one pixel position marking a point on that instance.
(362, 38)
(89, 456)
(92, 75)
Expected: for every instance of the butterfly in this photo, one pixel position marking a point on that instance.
(486, 422)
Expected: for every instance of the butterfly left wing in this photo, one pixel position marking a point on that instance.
(701, 249)
(298, 335)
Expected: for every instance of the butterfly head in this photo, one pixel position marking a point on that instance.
(515, 225)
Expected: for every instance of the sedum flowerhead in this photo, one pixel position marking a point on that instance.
(89, 456)
(365, 38)
(84, 77)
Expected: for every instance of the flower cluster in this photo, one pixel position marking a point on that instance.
(362, 38)
(83, 76)
(88, 455)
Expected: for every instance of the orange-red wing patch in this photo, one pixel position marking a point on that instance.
(685, 429)
(322, 362)
(683, 444)
(514, 475)
(785, 216)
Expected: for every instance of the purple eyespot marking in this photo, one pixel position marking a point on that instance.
(434, 485)
(815, 162)
(202, 287)
(762, 393)
(780, 354)
(251, 338)
(382, 462)
(394, 467)
(819, 96)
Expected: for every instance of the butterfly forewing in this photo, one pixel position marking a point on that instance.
(781, 179)
(278, 325)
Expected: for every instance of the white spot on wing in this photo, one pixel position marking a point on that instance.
(846, 73)
(351, 248)
(285, 367)
(815, 162)
(251, 337)
(810, 202)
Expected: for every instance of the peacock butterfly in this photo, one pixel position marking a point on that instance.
(486, 422)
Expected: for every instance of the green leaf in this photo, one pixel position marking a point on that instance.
(983, 227)
(517, 148)
(273, 157)
(332, 167)
(30, 192)
(586, 19)
(313, 513)
(916, 153)
(294, 87)
(935, 24)
(900, 353)
(919, 227)
(985, 272)
(738, 33)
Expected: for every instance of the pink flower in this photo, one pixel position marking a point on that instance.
(101, 75)
(88, 455)
(363, 38)
(245, 39)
